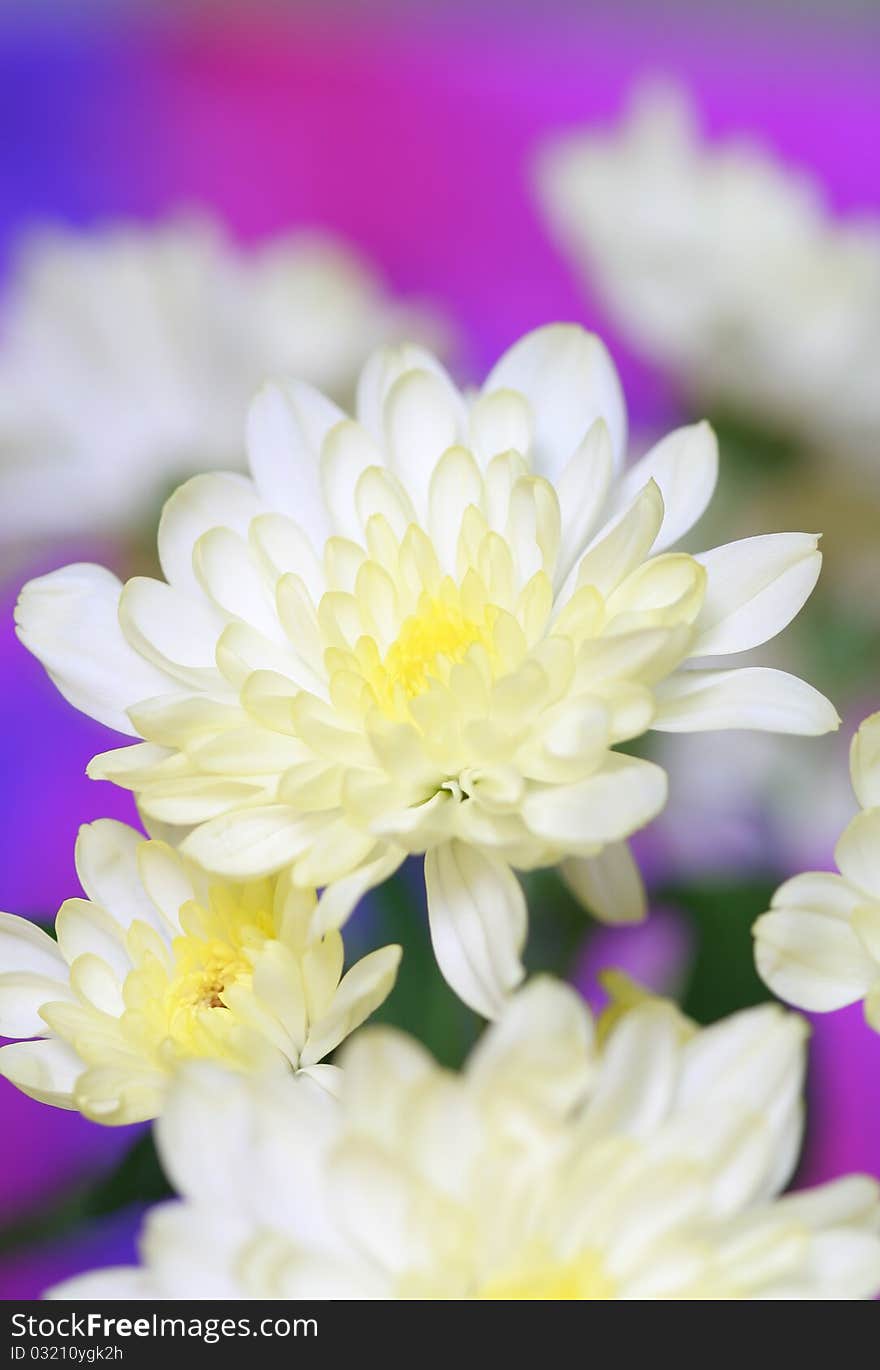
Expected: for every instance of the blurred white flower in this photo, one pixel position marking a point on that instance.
(725, 268)
(819, 945)
(642, 1165)
(426, 631)
(129, 354)
(160, 966)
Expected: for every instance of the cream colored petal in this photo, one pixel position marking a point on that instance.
(423, 418)
(286, 428)
(106, 857)
(858, 852)
(684, 465)
(500, 422)
(360, 992)
(477, 916)
(252, 842)
(69, 620)
(582, 488)
(609, 885)
(45, 1070)
(755, 587)
(754, 697)
(569, 381)
(623, 796)
(864, 762)
(811, 960)
(348, 451)
(205, 502)
(623, 545)
(338, 901)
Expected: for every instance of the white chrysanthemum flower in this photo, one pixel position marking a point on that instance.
(427, 630)
(819, 946)
(130, 354)
(160, 966)
(643, 1166)
(725, 268)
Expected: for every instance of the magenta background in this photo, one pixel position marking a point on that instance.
(410, 135)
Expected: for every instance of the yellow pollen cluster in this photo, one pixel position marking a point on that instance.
(430, 642)
(204, 971)
(581, 1278)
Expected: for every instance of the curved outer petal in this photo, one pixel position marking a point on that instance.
(812, 960)
(570, 381)
(287, 424)
(220, 500)
(864, 762)
(754, 589)
(478, 918)
(609, 885)
(69, 619)
(749, 697)
(623, 796)
(45, 1070)
(684, 465)
(106, 857)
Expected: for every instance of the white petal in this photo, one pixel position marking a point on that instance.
(22, 995)
(286, 428)
(228, 573)
(85, 929)
(569, 380)
(609, 885)
(477, 915)
(542, 1045)
(70, 621)
(251, 842)
(500, 422)
(810, 960)
(858, 852)
(178, 634)
(347, 453)
(422, 419)
(750, 697)
(622, 545)
(340, 899)
(205, 502)
(625, 795)
(581, 489)
(107, 866)
(864, 762)
(383, 369)
(685, 466)
(45, 1070)
(754, 589)
(361, 990)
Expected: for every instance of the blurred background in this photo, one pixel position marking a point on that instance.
(194, 195)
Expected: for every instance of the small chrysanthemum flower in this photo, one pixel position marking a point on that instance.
(160, 966)
(644, 1164)
(726, 268)
(428, 630)
(819, 945)
(130, 354)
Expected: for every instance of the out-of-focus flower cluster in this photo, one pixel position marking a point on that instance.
(435, 622)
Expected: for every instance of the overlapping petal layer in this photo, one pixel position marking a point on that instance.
(429, 629)
(160, 966)
(642, 1162)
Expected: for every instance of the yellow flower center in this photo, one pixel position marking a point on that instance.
(430, 642)
(581, 1278)
(181, 1006)
(204, 970)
